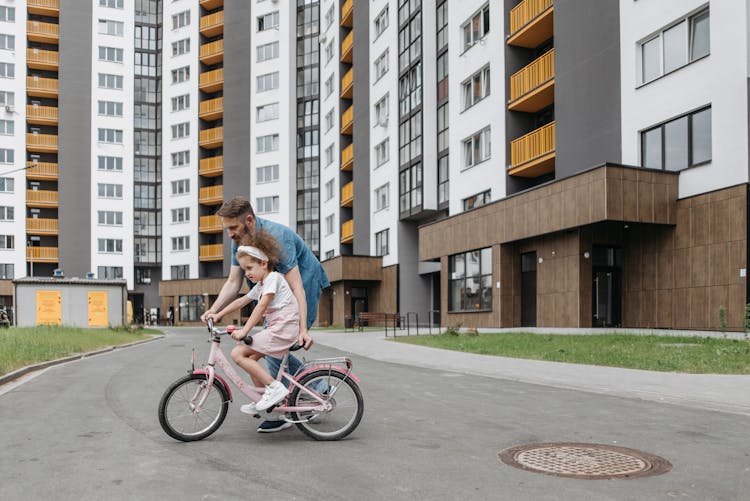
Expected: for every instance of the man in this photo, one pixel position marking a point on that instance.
(300, 268)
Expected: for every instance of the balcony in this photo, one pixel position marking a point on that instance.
(533, 155)
(49, 8)
(42, 87)
(347, 120)
(212, 252)
(41, 115)
(213, 109)
(212, 24)
(347, 194)
(211, 195)
(40, 59)
(42, 226)
(210, 224)
(211, 138)
(346, 48)
(211, 167)
(42, 254)
(531, 23)
(42, 171)
(212, 81)
(347, 157)
(533, 87)
(347, 84)
(347, 232)
(347, 13)
(37, 31)
(211, 4)
(213, 52)
(43, 199)
(42, 143)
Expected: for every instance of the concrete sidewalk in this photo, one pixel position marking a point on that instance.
(725, 393)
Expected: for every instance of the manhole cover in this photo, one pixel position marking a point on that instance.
(588, 461)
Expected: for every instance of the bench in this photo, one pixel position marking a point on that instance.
(367, 318)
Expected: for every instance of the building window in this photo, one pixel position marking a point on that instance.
(107, 27)
(181, 47)
(7, 70)
(181, 158)
(110, 163)
(181, 215)
(109, 190)
(329, 17)
(181, 74)
(329, 86)
(7, 42)
(7, 271)
(7, 184)
(381, 22)
(112, 136)
(6, 213)
(267, 174)
(180, 272)
(410, 188)
(268, 51)
(266, 205)
(7, 242)
(8, 14)
(110, 108)
(330, 189)
(181, 243)
(329, 155)
(107, 81)
(267, 112)
(477, 148)
(675, 46)
(381, 65)
(330, 120)
(476, 87)
(442, 25)
(443, 180)
(110, 246)
(7, 127)
(382, 151)
(381, 243)
(470, 281)
(7, 98)
(477, 200)
(329, 51)
(109, 272)
(181, 19)
(330, 224)
(442, 127)
(191, 308)
(381, 111)
(330, 254)
(180, 103)
(268, 21)
(181, 130)
(267, 143)
(109, 218)
(6, 156)
(477, 27)
(269, 81)
(112, 4)
(382, 197)
(181, 187)
(679, 143)
(111, 54)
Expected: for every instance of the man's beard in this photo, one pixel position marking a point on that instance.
(246, 231)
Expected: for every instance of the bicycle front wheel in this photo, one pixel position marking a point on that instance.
(177, 409)
(345, 397)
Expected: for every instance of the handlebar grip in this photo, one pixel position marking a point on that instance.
(231, 329)
(295, 347)
(248, 340)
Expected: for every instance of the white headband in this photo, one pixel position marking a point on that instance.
(255, 252)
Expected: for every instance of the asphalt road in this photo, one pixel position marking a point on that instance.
(89, 430)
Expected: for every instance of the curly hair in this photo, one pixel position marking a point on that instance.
(266, 243)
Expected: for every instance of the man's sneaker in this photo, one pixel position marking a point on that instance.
(249, 409)
(273, 426)
(275, 393)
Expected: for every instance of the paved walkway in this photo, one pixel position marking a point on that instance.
(726, 393)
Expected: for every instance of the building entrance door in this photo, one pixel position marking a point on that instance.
(607, 287)
(528, 289)
(359, 301)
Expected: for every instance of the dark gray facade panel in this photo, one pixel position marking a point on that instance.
(587, 85)
(361, 137)
(74, 138)
(414, 290)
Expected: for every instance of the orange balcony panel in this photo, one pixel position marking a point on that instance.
(347, 13)
(212, 24)
(42, 198)
(211, 195)
(49, 8)
(211, 4)
(347, 157)
(212, 81)
(211, 252)
(347, 194)
(347, 232)
(42, 226)
(346, 48)
(37, 31)
(42, 87)
(42, 254)
(347, 120)
(42, 171)
(40, 59)
(533, 154)
(211, 138)
(213, 109)
(347, 84)
(211, 167)
(212, 53)
(43, 143)
(533, 87)
(42, 115)
(210, 224)
(531, 23)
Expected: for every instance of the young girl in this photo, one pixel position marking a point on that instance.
(257, 257)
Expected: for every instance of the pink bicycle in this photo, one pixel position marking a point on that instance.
(325, 401)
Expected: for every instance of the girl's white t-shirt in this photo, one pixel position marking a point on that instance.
(275, 284)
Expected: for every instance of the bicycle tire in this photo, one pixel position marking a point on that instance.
(177, 417)
(342, 419)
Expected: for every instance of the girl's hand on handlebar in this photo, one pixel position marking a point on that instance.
(213, 316)
(239, 335)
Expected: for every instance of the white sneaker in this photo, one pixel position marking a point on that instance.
(249, 409)
(275, 393)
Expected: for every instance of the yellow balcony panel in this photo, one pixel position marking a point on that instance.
(40, 59)
(212, 24)
(347, 194)
(347, 157)
(42, 87)
(42, 254)
(211, 167)
(213, 109)
(211, 4)
(533, 155)
(213, 52)
(211, 195)
(347, 13)
(347, 120)
(347, 84)
(42, 226)
(37, 31)
(531, 23)
(211, 138)
(210, 224)
(212, 81)
(211, 252)
(42, 198)
(44, 7)
(43, 143)
(346, 48)
(347, 232)
(533, 87)
(42, 115)
(42, 171)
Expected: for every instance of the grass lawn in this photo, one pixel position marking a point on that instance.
(22, 346)
(655, 353)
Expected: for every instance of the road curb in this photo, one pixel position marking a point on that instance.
(7, 378)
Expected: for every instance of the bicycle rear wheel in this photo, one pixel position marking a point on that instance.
(177, 414)
(345, 398)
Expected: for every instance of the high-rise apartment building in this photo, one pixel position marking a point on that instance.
(491, 163)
